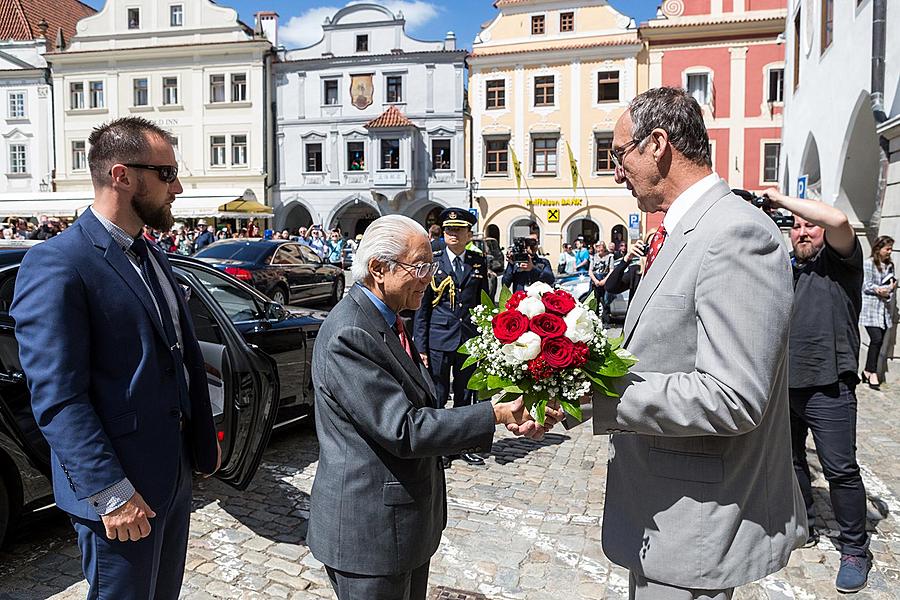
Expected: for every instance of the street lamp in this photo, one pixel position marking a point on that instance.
(44, 186)
(473, 188)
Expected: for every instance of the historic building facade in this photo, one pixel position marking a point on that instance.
(193, 68)
(28, 30)
(547, 77)
(729, 56)
(369, 122)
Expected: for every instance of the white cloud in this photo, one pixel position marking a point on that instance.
(306, 29)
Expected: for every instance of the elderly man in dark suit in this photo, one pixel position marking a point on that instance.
(379, 497)
(117, 379)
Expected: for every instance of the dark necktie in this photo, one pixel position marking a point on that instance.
(457, 268)
(139, 247)
(655, 245)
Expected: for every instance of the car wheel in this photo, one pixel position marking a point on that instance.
(280, 296)
(337, 291)
(4, 510)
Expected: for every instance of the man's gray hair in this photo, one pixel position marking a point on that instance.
(386, 239)
(678, 114)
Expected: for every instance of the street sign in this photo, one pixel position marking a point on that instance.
(553, 215)
(634, 226)
(474, 212)
(801, 186)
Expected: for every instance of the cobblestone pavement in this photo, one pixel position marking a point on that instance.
(517, 527)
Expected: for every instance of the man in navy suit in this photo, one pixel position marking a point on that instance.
(117, 380)
(443, 322)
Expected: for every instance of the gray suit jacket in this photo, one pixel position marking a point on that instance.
(701, 491)
(379, 501)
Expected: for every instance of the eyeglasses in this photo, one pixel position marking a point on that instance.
(619, 155)
(166, 173)
(422, 270)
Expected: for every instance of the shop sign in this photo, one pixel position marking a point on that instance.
(554, 202)
(553, 215)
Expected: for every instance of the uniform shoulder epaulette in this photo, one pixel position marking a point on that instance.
(439, 252)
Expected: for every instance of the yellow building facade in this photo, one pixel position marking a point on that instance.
(545, 77)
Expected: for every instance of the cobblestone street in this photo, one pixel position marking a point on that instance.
(525, 526)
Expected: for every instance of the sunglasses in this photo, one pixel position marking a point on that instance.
(166, 173)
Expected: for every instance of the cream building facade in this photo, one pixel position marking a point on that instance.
(546, 76)
(190, 66)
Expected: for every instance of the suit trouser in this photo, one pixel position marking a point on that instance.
(149, 569)
(640, 588)
(409, 585)
(830, 413)
(442, 364)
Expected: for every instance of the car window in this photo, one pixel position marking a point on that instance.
(238, 303)
(287, 254)
(204, 322)
(309, 255)
(7, 288)
(247, 251)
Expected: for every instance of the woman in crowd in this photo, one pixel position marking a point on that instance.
(879, 284)
(335, 248)
(601, 264)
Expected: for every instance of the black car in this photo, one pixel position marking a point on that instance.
(258, 357)
(285, 271)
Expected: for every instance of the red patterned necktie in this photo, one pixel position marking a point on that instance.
(656, 244)
(404, 341)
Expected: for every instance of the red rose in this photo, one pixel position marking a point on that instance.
(581, 354)
(513, 302)
(539, 368)
(509, 325)
(559, 352)
(548, 325)
(559, 302)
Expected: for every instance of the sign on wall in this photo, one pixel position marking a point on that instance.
(362, 90)
(553, 215)
(802, 182)
(634, 226)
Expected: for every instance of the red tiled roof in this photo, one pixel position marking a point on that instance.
(19, 19)
(701, 20)
(620, 41)
(392, 117)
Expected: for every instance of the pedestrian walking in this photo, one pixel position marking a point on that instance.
(117, 379)
(879, 284)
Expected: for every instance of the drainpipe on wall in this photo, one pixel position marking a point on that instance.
(879, 40)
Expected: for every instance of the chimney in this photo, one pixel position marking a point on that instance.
(60, 40)
(267, 23)
(43, 26)
(450, 41)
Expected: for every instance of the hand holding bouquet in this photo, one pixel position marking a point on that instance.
(542, 344)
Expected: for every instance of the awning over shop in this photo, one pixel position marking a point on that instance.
(219, 204)
(52, 204)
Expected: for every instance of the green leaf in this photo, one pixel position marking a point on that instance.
(592, 303)
(464, 349)
(470, 360)
(626, 357)
(487, 393)
(498, 382)
(505, 294)
(601, 384)
(540, 410)
(486, 300)
(613, 367)
(478, 381)
(616, 343)
(572, 409)
(508, 397)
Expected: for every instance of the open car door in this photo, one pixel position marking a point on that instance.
(243, 380)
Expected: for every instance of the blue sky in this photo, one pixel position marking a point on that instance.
(425, 19)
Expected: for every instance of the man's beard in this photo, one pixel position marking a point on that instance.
(805, 252)
(157, 217)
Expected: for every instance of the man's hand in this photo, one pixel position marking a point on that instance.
(424, 358)
(130, 521)
(517, 420)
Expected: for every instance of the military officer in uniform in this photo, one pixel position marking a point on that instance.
(442, 323)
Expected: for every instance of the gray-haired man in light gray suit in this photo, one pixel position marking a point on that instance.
(379, 501)
(701, 494)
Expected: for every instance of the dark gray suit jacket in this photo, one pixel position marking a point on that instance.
(379, 501)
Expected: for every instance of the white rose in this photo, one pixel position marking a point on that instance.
(531, 307)
(526, 348)
(579, 326)
(537, 289)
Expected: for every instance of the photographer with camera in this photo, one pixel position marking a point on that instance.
(823, 354)
(524, 266)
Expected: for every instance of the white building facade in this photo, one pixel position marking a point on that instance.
(189, 66)
(369, 121)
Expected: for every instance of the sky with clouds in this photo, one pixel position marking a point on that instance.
(425, 19)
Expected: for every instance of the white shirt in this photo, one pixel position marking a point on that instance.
(686, 200)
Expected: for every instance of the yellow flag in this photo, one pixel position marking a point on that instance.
(573, 166)
(517, 166)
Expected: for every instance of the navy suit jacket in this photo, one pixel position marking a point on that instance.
(101, 375)
(443, 326)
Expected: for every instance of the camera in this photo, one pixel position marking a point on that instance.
(762, 203)
(519, 250)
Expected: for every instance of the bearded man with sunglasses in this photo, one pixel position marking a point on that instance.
(117, 379)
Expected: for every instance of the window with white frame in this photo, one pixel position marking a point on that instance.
(537, 25)
(79, 155)
(217, 88)
(238, 87)
(239, 150)
(170, 90)
(607, 86)
(567, 21)
(603, 146)
(330, 92)
(16, 105)
(544, 92)
(771, 158)
(394, 88)
(495, 93)
(134, 18)
(96, 89)
(18, 159)
(314, 158)
(776, 86)
(217, 151)
(440, 155)
(76, 95)
(390, 154)
(356, 156)
(141, 92)
(698, 87)
(362, 43)
(176, 15)
(496, 156)
(543, 152)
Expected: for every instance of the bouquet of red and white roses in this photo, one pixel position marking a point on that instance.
(542, 344)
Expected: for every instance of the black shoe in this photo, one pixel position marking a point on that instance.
(472, 459)
(446, 461)
(813, 539)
